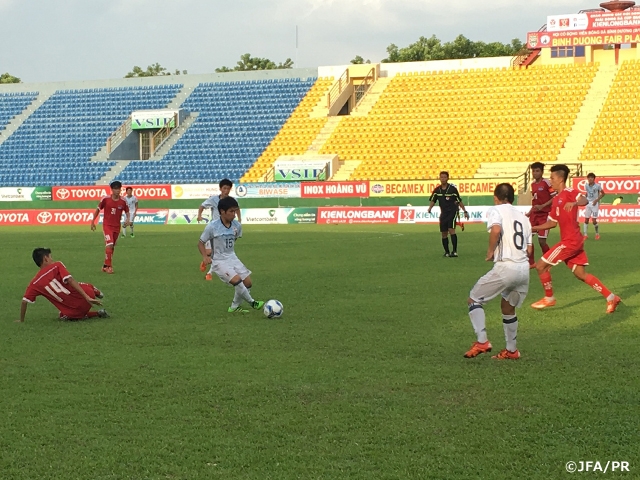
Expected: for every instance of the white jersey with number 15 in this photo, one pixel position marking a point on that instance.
(515, 235)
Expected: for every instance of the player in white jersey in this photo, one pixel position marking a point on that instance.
(223, 234)
(225, 186)
(132, 202)
(509, 247)
(594, 193)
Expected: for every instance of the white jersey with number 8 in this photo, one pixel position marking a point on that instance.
(515, 235)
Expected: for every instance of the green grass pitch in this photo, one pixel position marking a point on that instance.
(363, 377)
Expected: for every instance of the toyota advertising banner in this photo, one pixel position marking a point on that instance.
(72, 217)
(589, 28)
(615, 185)
(98, 192)
(334, 189)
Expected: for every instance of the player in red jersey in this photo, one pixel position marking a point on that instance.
(113, 207)
(55, 283)
(540, 206)
(564, 212)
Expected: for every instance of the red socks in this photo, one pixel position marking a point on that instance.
(597, 285)
(545, 278)
(545, 249)
(108, 256)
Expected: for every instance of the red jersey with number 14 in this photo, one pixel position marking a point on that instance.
(567, 220)
(112, 211)
(51, 283)
(542, 193)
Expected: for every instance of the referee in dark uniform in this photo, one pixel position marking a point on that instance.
(449, 200)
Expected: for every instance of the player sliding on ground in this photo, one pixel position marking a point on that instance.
(509, 249)
(113, 207)
(225, 186)
(570, 249)
(55, 283)
(223, 234)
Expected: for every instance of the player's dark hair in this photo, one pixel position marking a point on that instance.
(39, 254)
(591, 175)
(505, 191)
(561, 168)
(128, 188)
(539, 165)
(116, 184)
(225, 182)
(445, 173)
(227, 203)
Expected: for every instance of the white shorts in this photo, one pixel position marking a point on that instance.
(228, 269)
(507, 278)
(591, 212)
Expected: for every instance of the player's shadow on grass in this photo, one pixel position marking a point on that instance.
(622, 313)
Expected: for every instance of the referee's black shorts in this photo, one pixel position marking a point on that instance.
(448, 220)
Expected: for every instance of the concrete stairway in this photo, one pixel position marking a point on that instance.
(588, 114)
(174, 136)
(371, 98)
(113, 172)
(324, 134)
(345, 171)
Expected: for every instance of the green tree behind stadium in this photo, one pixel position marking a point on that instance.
(247, 63)
(461, 47)
(8, 78)
(155, 70)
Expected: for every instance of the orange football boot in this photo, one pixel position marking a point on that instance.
(613, 304)
(544, 303)
(477, 348)
(507, 355)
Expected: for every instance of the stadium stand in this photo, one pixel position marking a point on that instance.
(455, 120)
(614, 136)
(297, 134)
(236, 122)
(12, 104)
(54, 144)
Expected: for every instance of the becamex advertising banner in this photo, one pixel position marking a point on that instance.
(334, 189)
(24, 194)
(617, 185)
(98, 192)
(424, 188)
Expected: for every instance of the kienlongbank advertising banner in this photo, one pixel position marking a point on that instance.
(424, 188)
(422, 215)
(24, 194)
(588, 28)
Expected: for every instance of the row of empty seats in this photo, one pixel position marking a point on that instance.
(237, 105)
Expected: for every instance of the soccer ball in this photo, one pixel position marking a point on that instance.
(273, 309)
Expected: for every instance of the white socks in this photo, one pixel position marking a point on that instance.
(476, 314)
(241, 294)
(510, 325)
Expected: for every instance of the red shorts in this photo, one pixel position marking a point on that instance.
(111, 234)
(538, 219)
(80, 311)
(572, 255)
